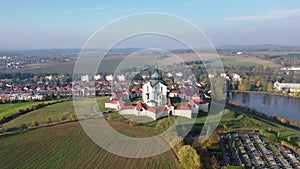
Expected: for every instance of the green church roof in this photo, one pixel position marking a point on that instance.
(156, 77)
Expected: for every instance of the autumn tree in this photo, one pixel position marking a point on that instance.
(73, 117)
(270, 87)
(131, 123)
(34, 123)
(288, 138)
(188, 157)
(48, 120)
(109, 118)
(23, 126)
(62, 118)
(278, 134)
(296, 93)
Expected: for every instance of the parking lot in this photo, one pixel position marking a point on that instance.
(253, 150)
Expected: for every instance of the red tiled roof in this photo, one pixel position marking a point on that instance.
(182, 108)
(157, 110)
(127, 107)
(201, 101)
(191, 102)
(169, 104)
(141, 105)
(111, 101)
(175, 91)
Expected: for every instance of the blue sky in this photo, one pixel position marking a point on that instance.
(69, 23)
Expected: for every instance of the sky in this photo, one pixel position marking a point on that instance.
(35, 24)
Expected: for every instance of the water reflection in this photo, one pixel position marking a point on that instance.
(286, 107)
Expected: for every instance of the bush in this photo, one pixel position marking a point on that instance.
(48, 120)
(2, 119)
(34, 123)
(73, 117)
(24, 126)
(131, 123)
(62, 118)
(109, 118)
(288, 138)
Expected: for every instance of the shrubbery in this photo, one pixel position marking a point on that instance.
(131, 123)
(24, 126)
(34, 123)
(62, 118)
(48, 120)
(73, 117)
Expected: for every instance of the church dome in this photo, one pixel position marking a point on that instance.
(156, 77)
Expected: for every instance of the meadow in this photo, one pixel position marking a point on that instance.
(10, 109)
(53, 111)
(67, 146)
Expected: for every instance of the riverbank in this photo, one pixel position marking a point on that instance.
(266, 93)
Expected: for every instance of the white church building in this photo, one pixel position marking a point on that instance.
(155, 102)
(155, 91)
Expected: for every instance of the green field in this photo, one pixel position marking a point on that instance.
(11, 109)
(53, 111)
(67, 146)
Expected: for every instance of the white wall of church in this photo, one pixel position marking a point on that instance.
(150, 114)
(110, 105)
(129, 111)
(156, 95)
(184, 113)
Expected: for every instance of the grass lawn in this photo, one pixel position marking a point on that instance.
(67, 146)
(53, 111)
(11, 109)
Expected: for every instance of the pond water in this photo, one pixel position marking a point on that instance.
(271, 105)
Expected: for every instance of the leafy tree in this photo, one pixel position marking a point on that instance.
(188, 157)
(73, 117)
(48, 120)
(109, 118)
(288, 138)
(131, 123)
(34, 123)
(269, 129)
(278, 134)
(24, 126)
(62, 118)
(296, 93)
(270, 87)
(2, 120)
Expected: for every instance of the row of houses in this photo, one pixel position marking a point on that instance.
(20, 96)
(292, 87)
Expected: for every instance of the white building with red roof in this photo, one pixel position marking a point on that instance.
(155, 102)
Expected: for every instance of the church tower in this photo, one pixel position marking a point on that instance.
(155, 91)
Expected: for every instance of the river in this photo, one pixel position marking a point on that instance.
(271, 105)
